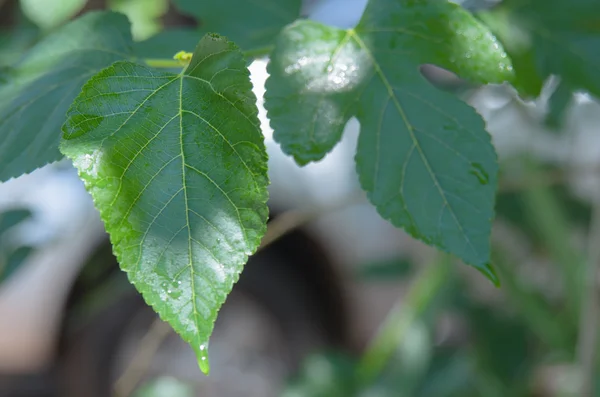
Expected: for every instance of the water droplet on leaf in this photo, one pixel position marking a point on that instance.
(202, 355)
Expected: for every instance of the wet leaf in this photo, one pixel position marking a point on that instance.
(423, 155)
(177, 166)
(561, 37)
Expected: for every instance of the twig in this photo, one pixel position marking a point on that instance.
(587, 348)
(293, 219)
(141, 361)
(422, 292)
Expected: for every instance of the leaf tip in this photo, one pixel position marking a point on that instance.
(490, 273)
(202, 356)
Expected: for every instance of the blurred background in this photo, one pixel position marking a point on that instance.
(342, 303)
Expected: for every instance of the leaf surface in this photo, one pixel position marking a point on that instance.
(423, 156)
(37, 92)
(249, 23)
(177, 166)
(561, 37)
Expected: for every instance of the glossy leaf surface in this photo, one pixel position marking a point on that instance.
(177, 166)
(562, 38)
(39, 89)
(423, 156)
(249, 23)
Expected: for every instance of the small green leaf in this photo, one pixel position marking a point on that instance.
(558, 104)
(251, 24)
(177, 166)
(38, 90)
(16, 38)
(563, 38)
(423, 156)
(48, 14)
(11, 256)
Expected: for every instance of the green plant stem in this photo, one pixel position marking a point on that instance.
(552, 225)
(420, 296)
(163, 63)
(587, 345)
(141, 361)
(166, 63)
(534, 310)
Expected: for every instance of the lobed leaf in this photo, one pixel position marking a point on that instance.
(177, 166)
(36, 93)
(423, 156)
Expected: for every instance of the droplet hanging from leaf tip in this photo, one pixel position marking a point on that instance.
(202, 355)
(490, 273)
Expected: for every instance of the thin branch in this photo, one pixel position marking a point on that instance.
(141, 361)
(422, 292)
(587, 348)
(293, 219)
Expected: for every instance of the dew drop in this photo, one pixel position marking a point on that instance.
(202, 354)
(478, 170)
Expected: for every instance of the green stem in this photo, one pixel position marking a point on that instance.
(534, 310)
(551, 222)
(587, 344)
(420, 296)
(163, 63)
(166, 63)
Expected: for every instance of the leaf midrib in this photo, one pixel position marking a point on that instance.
(187, 216)
(414, 139)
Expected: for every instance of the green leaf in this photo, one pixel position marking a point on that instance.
(48, 14)
(177, 166)
(167, 43)
(16, 39)
(251, 24)
(423, 156)
(563, 38)
(517, 43)
(558, 104)
(11, 256)
(40, 87)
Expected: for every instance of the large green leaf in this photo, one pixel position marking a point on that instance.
(177, 166)
(423, 156)
(38, 90)
(561, 37)
(249, 23)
